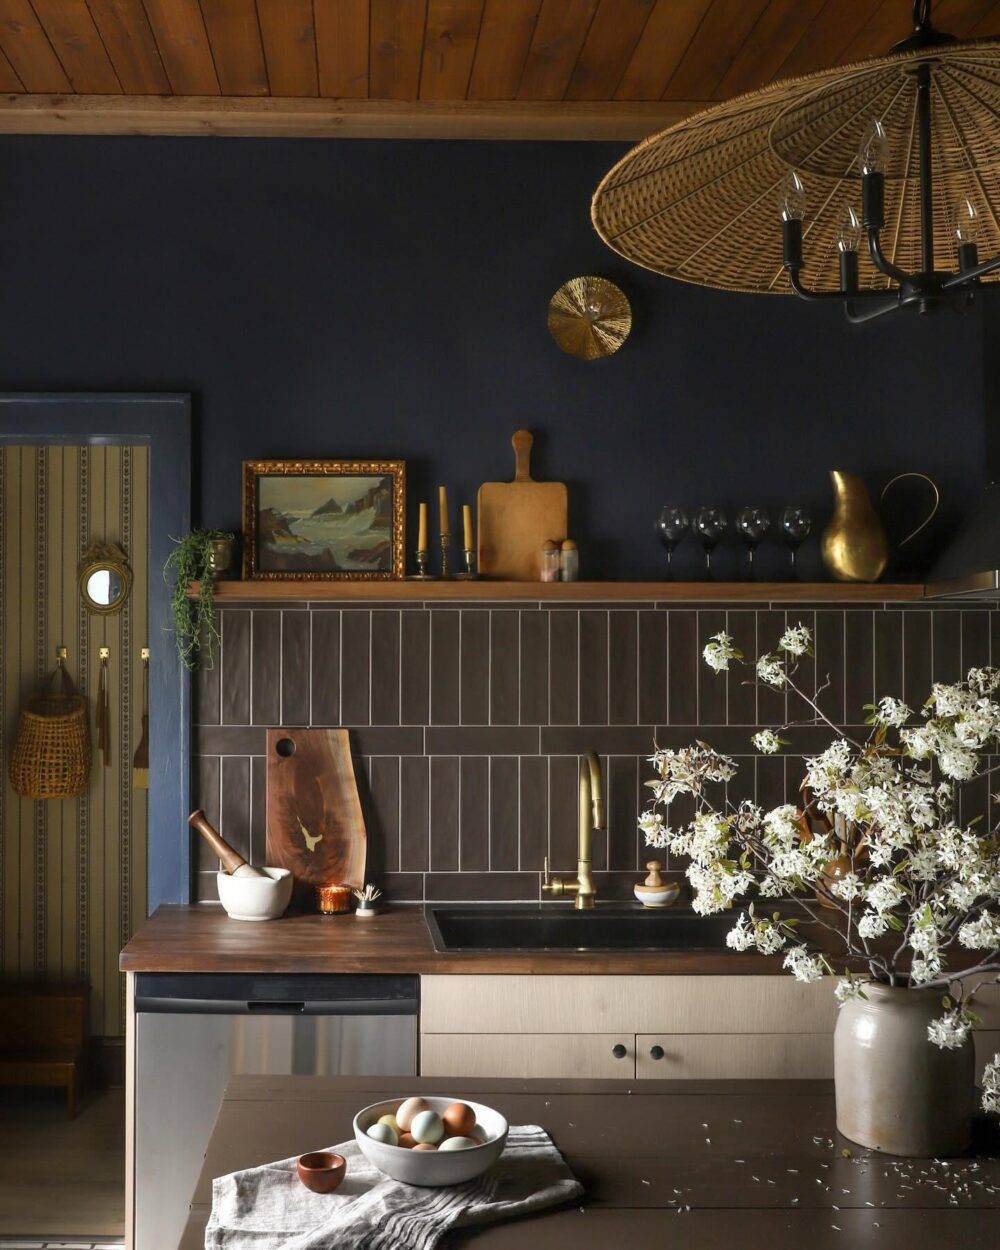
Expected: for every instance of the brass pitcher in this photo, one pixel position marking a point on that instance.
(855, 546)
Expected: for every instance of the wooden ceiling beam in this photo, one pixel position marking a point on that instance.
(348, 119)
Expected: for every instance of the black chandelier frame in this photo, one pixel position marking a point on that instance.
(929, 288)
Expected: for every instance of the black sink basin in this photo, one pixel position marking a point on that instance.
(482, 927)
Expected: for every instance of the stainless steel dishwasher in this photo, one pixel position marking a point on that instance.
(195, 1030)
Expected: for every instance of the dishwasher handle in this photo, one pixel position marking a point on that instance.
(152, 1004)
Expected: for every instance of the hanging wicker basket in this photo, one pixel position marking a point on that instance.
(51, 756)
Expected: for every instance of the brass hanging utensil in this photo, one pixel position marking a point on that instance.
(140, 761)
(103, 709)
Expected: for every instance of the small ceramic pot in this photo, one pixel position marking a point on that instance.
(654, 891)
(221, 556)
(664, 896)
(322, 1171)
(896, 1091)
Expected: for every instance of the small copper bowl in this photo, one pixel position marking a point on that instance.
(333, 900)
(321, 1171)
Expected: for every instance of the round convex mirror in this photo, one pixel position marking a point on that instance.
(105, 581)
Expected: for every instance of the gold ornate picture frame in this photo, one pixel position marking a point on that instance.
(331, 520)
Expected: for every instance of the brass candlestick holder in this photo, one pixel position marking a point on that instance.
(445, 544)
(469, 572)
(422, 575)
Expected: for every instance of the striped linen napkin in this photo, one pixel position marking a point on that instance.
(266, 1208)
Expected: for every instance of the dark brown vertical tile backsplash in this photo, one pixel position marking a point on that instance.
(467, 722)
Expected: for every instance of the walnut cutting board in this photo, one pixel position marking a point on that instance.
(315, 826)
(516, 517)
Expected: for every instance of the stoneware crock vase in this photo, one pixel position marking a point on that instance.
(855, 547)
(896, 1091)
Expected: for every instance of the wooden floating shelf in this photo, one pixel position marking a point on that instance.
(568, 592)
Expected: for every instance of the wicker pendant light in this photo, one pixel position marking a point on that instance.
(703, 201)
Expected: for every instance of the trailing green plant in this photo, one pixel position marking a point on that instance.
(195, 631)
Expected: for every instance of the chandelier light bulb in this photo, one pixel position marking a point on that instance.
(966, 221)
(852, 234)
(873, 151)
(793, 198)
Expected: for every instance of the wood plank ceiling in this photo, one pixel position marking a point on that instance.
(486, 68)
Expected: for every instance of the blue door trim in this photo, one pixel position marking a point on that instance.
(163, 422)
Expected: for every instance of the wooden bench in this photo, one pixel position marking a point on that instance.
(43, 1034)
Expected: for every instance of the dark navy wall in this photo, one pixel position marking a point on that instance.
(388, 299)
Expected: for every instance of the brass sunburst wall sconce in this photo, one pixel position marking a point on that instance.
(589, 317)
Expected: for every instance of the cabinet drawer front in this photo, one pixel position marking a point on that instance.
(527, 1054)
(632, 1004)
(777, 1056)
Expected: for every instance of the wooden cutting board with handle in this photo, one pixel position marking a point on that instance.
(315, 826)
(516, 517)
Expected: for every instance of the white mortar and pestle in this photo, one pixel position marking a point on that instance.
(246, 892)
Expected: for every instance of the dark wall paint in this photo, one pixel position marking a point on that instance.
(388, 299)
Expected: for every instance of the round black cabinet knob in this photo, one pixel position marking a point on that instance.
(656, 1052)
(619, 1051)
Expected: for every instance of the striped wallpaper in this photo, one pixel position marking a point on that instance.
(73, 872)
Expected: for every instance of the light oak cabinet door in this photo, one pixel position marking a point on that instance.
(634, 1004)
(777, 1056)
(604, 1055)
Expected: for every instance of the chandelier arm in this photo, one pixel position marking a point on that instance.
(804, 292)
(889, 304)
(968, 275)
(881, 261)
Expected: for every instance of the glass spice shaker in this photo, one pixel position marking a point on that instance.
(550, 561)
(569, 561)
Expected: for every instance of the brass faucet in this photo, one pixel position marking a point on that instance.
(591, 817)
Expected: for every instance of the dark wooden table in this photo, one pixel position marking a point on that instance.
(693, 1164)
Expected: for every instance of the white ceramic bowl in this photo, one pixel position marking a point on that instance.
(256, 898)
(432, 1167)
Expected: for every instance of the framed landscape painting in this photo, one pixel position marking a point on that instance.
(323, 519)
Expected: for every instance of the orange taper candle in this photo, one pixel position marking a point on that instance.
(467, 526)
(443, 509)
(422, 532)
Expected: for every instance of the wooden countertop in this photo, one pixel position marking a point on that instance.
(692, 1164)
(202, 938)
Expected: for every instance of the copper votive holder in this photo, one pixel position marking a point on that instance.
(333, 900)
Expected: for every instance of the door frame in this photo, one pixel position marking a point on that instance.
(163, 423)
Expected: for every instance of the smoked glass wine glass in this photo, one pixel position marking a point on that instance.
(672, 524)
(751, 525)
(796, 526)
(709, 525)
